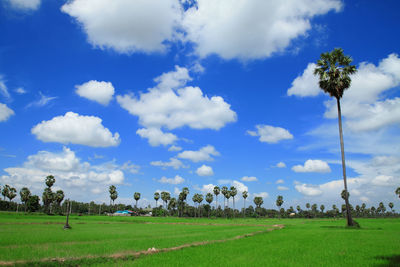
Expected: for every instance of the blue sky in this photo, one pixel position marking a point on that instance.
(162, 94)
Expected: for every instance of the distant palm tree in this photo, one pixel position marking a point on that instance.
(244, 195)
(156, 198)
(5, 190)
(172, 205)
(12, 193)
(199, 200)
(209, 199)
(136, 196)
(113, 194)
(233, 194)
(334, 70)
(216, 193)
(279, 202)
(391, 206)
(322, 207)
(195, 199)
(224, 190)
(25, 194)
(50, 180)
(298, 208)
(58, 198)
(308, 206)
(258, 201)
(398, 191)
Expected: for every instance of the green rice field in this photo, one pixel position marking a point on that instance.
(39, 240)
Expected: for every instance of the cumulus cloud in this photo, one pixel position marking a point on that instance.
(173, 105)
(239, 186)
(280, 181)
(173, 163)
(306, 84)
(281, 165)
(157, 137)
(203, 154)
(176, 180)
(312, 166)
(5, 112)
(253, 29)
(204, 170)
(78, 179)
(101, 92)
(127, 26)
(207, 188)
(308, 190)
(76, 129)
(249, 179)
(25, 5)
(130, 167)
(270, 134)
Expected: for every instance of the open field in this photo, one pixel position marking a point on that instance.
(123, 241)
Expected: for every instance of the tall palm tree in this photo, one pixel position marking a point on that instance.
(136, 196)
(334, 70)
(195, 198)
(58, 198)
(244, 195)
(172, 205)
(199, 200)
(308, 205)
(322, 207)
(233, 194)
(217, 190)
(25, 194)
(156, 198)
(398, 191)
(258, 201)
(163, 198)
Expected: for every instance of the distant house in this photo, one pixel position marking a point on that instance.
(124, 213)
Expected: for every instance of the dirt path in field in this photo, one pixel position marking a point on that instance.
(137, 254)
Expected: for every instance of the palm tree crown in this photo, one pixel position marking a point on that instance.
(334, 70)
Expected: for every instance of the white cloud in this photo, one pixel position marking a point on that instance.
(78, 179)
(281, 165)
(25, 4)
(204, 154)
(101, 92)
(207, 188)
(43, 101)
(171, 105)
(261, 194)
(76, 129)
(282, 188)
(174, 148)
(205, 170)
(270, 134)
(176, 180)
(249, 179)
(173, 162)
(280, 181)
(308, 190)
(384, 180)
(127, 26)
(3, 88)
(157, 137)
(252, 29)
(20, 91)
(5, 112)
(313, 166)
(130, 167)
(306, 84)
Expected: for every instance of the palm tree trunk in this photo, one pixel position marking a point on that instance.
(244, 206)
(349, 219)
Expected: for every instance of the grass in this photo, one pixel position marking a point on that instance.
(302, 242)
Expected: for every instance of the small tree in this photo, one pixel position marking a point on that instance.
(33, 203)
